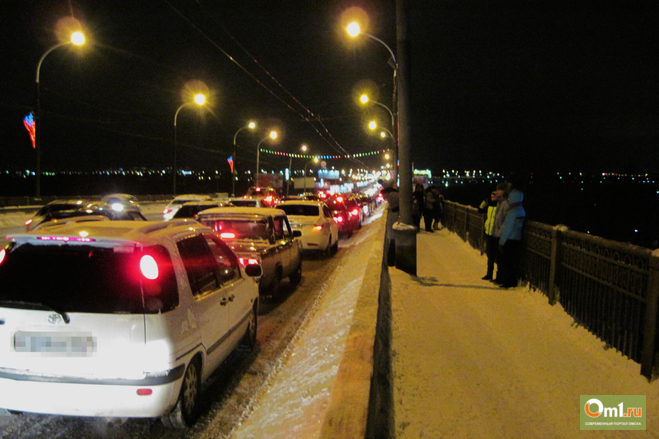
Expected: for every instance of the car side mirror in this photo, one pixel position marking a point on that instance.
(254, 270)
(297, 233)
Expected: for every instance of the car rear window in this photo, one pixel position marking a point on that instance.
(301, 210)
(83, 278)
(191, 211)
(245, 203)
(241, 229)
(48, 208)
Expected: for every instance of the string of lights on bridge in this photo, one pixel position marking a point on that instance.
(323, 157)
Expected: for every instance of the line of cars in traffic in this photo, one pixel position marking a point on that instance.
(124, 317)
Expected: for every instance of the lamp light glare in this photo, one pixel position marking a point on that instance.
(353, 29)
(78, 38)
(200, 99)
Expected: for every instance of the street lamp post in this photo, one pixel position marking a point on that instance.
(354, 30)
(251, 126)
(365, 100)
(303, 148)
(77, 39)
(315, 160)
(272, 135)
(200, 100)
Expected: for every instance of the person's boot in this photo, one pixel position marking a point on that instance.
(488, 276)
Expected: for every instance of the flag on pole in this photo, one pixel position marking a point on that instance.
(29, 126)
(230, 160)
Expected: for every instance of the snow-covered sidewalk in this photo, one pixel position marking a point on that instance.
(471, 360)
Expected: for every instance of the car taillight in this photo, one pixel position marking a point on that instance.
(166, 211)
(149, 267)
(317, 228)
(248, 261)
(338, 219)
(354, 212)
(268, 199)
(228, 235)
(3, 253)
(339, 199)
(28, 222)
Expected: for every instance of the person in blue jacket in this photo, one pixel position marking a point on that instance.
(510, 241)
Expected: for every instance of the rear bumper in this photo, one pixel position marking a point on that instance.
(87, 397)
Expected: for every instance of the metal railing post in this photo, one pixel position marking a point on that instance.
(650, 332)
(555, 261)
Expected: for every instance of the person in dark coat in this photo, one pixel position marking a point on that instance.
(417, 205)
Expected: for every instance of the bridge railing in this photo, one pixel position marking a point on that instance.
(608, 287)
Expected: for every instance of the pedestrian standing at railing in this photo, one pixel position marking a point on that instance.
(428, 208)
(510, 241)
(502, 191)
(438, 209)
(489, 207)
(417, 205)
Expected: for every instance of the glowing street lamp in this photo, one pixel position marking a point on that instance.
(354, 30)
(373, 125)
(251, 126)
(199, 99)
(272, 135)
(77, 39)
(364, 99)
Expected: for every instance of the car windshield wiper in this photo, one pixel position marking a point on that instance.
(42, 305)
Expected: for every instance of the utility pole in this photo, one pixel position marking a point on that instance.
(404, 230)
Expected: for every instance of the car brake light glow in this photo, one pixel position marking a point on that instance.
(227, 235)
(28, 222)
(166, 211)
(339, 199)
(317, 228)
(268, 198)
(65, 238)
(248, 261)
(354, 212)
(338, 219)
(3, 253)
(149, 267)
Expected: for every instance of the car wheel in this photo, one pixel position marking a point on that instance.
(335, 247)
(249, 339)
(185, 411)
(296, 276)
(328, 249)
(274, 286)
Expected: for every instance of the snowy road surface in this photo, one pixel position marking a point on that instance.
(281, 389)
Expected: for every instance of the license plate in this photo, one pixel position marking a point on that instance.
(55, 344)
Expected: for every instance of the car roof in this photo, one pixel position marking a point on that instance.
(301, 202)
(69, 201)
(184, 196)
(203, 203)
(103, 229)
(237, 211)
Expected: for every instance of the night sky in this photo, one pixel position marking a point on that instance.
(497, 86)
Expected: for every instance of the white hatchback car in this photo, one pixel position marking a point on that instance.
(119, 318)
(314, 220)
(177, 202)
